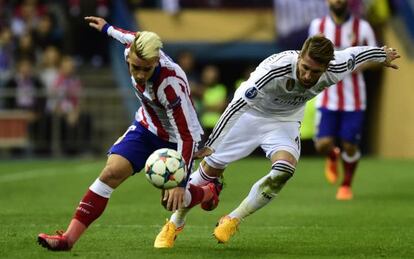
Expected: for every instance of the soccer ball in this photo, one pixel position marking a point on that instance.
(165, 168)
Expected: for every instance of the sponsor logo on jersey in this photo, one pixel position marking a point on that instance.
(251, 93)
(292, 100)
(351, 62)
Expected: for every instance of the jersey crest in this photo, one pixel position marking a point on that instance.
(350, 64)
(251, 93)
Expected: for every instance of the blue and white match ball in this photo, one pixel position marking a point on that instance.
(165, 168)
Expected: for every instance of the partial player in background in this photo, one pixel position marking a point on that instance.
(341, 108)
(166, 119)
(267, 111)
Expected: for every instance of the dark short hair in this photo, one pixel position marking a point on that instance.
(319, 49)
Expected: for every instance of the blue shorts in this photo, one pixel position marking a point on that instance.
(137, 144)
(340, 124)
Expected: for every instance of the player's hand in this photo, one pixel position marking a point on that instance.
(392, 54)
(203, 152)
(96, 22)
(173, 199)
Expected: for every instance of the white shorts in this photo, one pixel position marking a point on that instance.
(250, 132)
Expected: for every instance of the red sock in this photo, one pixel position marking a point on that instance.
(199, 194)
(349, 170)
(90, 208)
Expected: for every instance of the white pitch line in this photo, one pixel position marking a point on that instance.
(49, 171)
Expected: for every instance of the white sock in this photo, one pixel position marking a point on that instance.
(101, 188)
(351, 159)
(264, 190)
(200, 178)
(178, 217)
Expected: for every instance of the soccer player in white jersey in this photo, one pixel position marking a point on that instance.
(341, 108)
(266, 112)
(166, 119)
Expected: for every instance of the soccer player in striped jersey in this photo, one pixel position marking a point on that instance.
(341, 108)
(166, 119)
(266, 112)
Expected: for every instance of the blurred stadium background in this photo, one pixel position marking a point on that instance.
(77, 98)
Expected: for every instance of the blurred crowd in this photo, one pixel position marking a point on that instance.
(42, 43)
(42, 46)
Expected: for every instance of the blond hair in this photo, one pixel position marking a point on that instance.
(146, 45)
(319, 49)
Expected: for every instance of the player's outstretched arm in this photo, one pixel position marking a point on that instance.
(392, 54)
(96, 22)
(101, 25)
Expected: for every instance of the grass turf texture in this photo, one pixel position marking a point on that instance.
(305, 221)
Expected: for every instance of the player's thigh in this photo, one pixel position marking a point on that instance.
(282, 137)
(137, 144)
(352, 126)
(241, 140)
(327, 123)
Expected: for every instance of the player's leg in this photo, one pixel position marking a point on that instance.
(327, 128)
(350, 133)
(207, 178)
(261, 193)
(204, 186)
(237, 144)
(92, 205)
(282, 146)
(128, 155)
(197, 192)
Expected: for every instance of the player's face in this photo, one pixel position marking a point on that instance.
(141, 69)
(338, 7)
(309, 71)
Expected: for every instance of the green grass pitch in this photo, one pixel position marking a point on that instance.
(305, 221)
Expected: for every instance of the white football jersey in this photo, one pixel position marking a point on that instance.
(348, 94)
(273, 89)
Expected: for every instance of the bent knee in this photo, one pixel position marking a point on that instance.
(113, 174)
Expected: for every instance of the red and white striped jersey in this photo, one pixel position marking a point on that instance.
(350, 93)
(166, 106)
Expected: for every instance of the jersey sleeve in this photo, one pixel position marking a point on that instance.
(349, 59)
(121, 35)
(178, 104)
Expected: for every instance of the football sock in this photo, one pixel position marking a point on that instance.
(264, 190)
(178, 217)
(199, 194)
(350, 164)
(90, 208)
(194, 195)
(199, 177)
